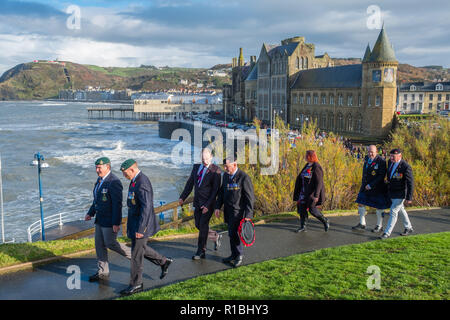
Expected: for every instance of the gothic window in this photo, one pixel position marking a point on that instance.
(358, 123)
(330, 121)
(349, 123)
(323, 120)
(340, 100)
(340, 122)
(316, 99)
(331, 99)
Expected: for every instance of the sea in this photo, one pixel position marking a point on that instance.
(70, 143)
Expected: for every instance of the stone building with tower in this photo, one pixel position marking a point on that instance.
(357, 99)
(291, 82)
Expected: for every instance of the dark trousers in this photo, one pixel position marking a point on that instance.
(302, 209)
(139, 251)
(237, 249)
(202, 224)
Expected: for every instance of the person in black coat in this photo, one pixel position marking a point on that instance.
(236, 195)
(205, 180)
(400, 189)
(373, 191)
(107, 209)
(141, 224)
(309, 192)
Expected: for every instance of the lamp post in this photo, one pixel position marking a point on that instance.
(39, 162)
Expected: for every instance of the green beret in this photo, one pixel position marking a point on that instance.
(103, 160)
(126, 164)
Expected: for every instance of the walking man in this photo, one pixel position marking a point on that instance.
(237, 197)
(205, 180)
(141, 224)
(107, 209)
(400, 189)
(373, 191)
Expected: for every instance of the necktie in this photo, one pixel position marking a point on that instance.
(199, 176)
(99, 182)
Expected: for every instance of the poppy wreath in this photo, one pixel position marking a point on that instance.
(246, 232)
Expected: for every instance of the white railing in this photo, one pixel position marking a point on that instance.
(54, 220)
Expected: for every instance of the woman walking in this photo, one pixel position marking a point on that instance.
(309, 192)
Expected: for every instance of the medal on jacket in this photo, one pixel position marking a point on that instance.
(104, 191)
(374, 173)
(133, 200)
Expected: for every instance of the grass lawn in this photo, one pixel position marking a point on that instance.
(414, 267)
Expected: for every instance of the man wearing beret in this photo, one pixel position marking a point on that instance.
(107, 209)
(400, 189)
(141, 224)
(237, 197)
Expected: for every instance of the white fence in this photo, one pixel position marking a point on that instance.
(54, 220)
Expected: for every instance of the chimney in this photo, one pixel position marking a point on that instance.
(241, 58)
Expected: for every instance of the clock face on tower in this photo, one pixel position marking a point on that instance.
(376, 76)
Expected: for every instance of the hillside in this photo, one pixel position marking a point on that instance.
(42, 80)
(408, 73)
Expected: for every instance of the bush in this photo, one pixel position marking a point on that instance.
(424, 146)
(342, 172)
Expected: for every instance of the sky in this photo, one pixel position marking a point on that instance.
(202, 33)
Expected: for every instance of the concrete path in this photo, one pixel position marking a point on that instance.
(273, 240)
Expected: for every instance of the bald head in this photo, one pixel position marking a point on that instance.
(206, 157)
(372, 151)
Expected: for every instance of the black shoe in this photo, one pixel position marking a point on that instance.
(359, 226)
(132, 289)
(165, 267)
(383, 236)
(199, 255)
(218, 242)
(98, 277)
(326, 225)
(230, 259)
(237, 262)
(301, 229)
(377, 229)
(406, 232)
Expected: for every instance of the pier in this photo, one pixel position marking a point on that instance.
(102, 112)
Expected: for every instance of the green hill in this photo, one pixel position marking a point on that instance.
(43, 80)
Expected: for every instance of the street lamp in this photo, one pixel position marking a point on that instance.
(39, 162)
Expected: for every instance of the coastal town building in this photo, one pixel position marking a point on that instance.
(423, 97)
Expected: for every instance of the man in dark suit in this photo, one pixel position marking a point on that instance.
(373, 191)
(400, 189)
(205, 180)
(107, 209)
(237, 197)
(141, 224)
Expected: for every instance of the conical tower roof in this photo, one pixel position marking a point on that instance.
(367, 54)
(382, 50)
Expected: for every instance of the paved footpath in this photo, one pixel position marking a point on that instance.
(273, 240)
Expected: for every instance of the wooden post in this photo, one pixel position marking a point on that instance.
(175, 214)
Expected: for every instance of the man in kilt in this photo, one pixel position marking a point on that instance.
(373, 191)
